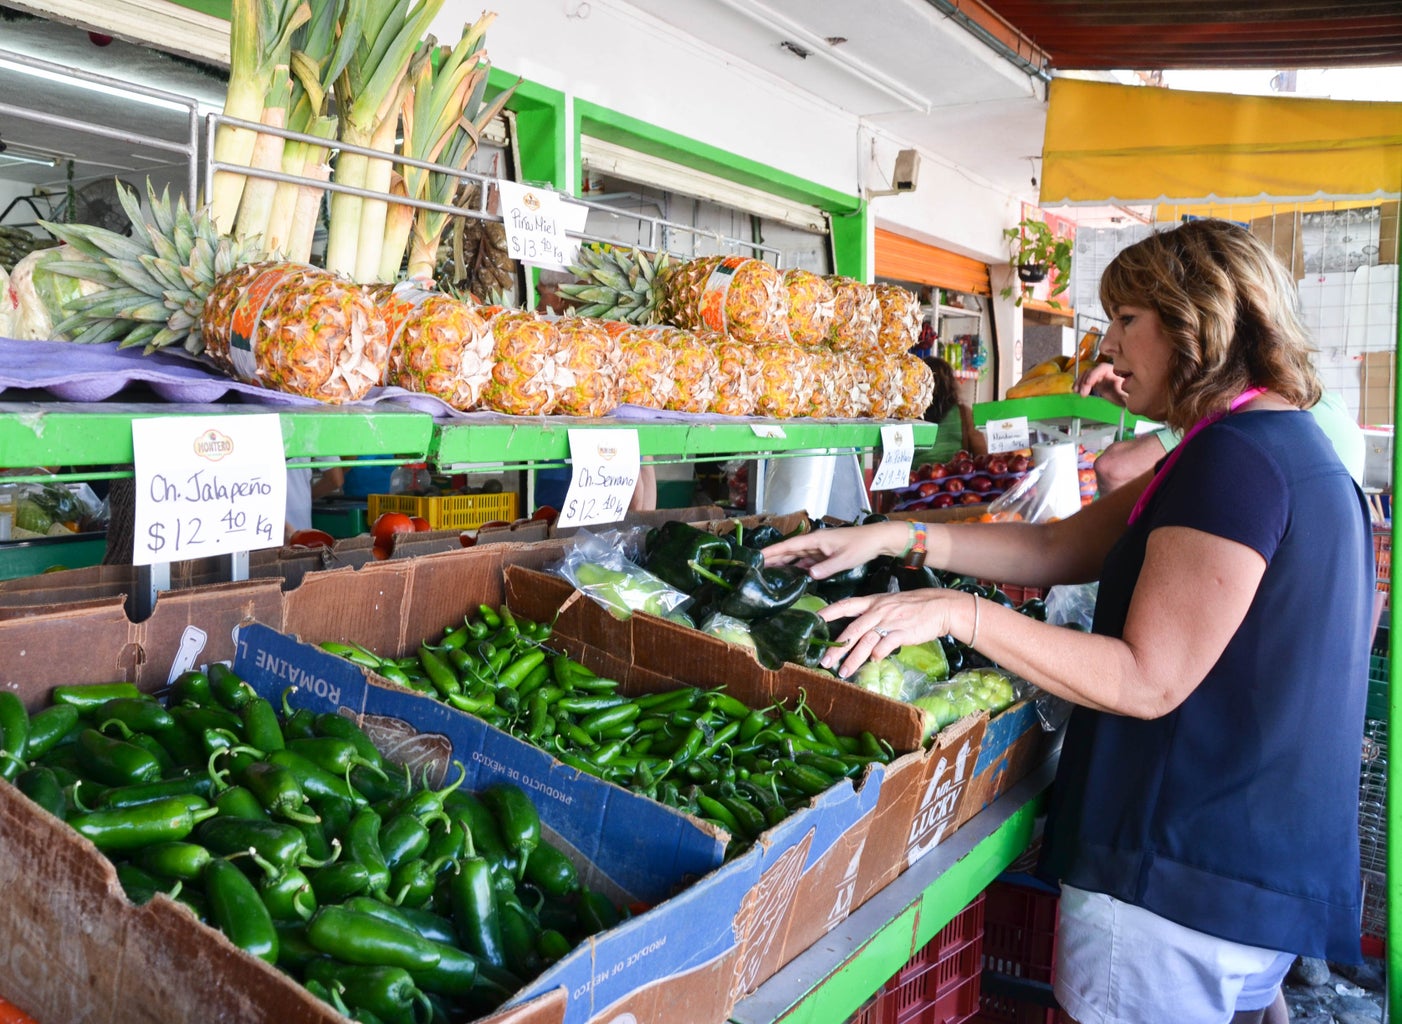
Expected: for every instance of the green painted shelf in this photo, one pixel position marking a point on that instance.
(78, 435)
(1059, 407)
(829, 981)
(524, 441)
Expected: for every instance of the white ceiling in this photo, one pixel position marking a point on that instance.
(904, 70)
(900, 65)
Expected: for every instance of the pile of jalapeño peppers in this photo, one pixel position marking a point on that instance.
(288, 832)
(697, 749)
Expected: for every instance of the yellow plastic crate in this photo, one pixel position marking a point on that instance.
(447, 511)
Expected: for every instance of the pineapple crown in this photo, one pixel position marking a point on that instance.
(618, 284)
(154, 281)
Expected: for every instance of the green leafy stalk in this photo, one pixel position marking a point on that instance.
(367, 92)
(320, 50)
(472, 121)
(430, 119)
(260, 41)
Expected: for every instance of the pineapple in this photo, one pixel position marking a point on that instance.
(884, 382)
(176, 281)
(786, 381)
(736, 377)
(853, 399)
(857, 322)
(591, 360)
(648, 357)
(296, 328)
(917, 388)
(695, 372)
(736, 295)
(525, 379)
(812, 306)
(900, 319)
(439, 345)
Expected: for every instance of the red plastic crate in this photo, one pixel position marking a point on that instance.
(940, 983)
(1019, 931)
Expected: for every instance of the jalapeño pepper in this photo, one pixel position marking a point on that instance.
(357, 938)
(49, 728)
(14, 735)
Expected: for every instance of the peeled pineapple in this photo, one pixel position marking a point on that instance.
(856, 325)
(296, 328)
(695, 372)
(900, 319)
(812, 305)
(439, 345)
(525, 378)
(884, 383)
(591, 361)
(648, 357)
(736, 377)
(786, 380)
(917, 388)
(737, 295)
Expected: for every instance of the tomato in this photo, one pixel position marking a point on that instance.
(387, 524)
(311, 539)
(421, 524)
(381, 551)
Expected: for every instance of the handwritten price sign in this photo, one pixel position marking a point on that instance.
(605, 472)
(207, 485)
(536, 221)
(1006, 435)
(897, 453)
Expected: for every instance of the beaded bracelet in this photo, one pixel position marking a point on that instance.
(914, 553)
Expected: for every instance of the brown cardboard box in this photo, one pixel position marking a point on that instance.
(1378, 372)
(1283, 233)
(1388, 228)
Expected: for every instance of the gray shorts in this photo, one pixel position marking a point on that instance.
(1119, 964)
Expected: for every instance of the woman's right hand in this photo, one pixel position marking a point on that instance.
(832, 550)
(1102, 380)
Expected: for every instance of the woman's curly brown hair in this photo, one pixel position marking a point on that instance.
(1229, 309)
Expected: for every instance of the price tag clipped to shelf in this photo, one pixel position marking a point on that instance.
(1007, 435)
(536, 221)
(772, 430)
(605, 465)
(897, 453)
(207, 485)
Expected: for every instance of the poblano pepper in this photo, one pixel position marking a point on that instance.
(757, 592)
(790, 635)
(674, 548)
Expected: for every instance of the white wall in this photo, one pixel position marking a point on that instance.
(633, 64)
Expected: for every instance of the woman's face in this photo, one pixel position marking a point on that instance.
(1140, 351)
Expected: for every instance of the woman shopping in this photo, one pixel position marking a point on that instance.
(1203, 823)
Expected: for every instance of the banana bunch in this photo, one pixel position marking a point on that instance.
(474, 256)
(618, 284)
(17, 243)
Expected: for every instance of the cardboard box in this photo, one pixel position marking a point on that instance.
(1283, 233)
(742, 920)
(836, 870)
(72, 947)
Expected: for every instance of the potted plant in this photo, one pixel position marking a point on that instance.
(1034, 251)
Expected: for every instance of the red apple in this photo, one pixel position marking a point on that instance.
(1019, 464)
(942, 501)
(928, 487)
(963, 467)
(980, 463)
(980, 483)
(997, 465)
(938, 471)
(953, 486)
(924, 471)
(970, 498)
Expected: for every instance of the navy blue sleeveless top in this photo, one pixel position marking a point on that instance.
(1236, 814)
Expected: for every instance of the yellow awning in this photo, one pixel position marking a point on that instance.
(1135, 144)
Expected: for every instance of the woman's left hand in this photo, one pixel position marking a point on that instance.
(882, 623)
